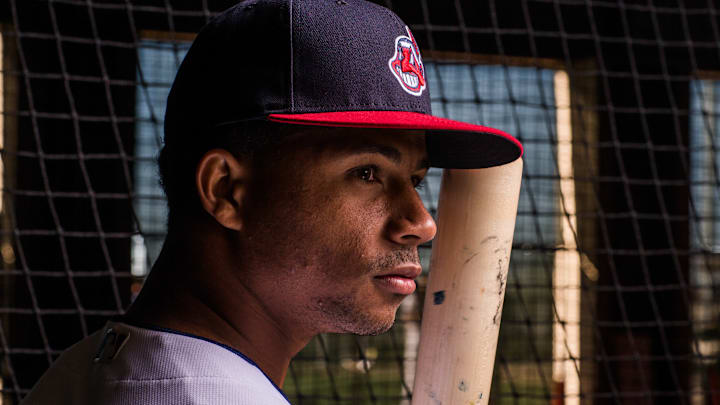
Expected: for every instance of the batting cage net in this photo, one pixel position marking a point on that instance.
(613, 294)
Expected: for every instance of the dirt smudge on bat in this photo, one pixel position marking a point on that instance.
(488, 239)
(501, 276)
(438, 297)
(431, 394)
(472, 256)
(498, 311)
(462, 386)
(501, 282)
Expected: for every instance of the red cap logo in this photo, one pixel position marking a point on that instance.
(407, 65)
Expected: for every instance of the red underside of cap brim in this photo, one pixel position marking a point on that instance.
(489, 146)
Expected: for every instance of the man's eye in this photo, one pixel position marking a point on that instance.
(418, 182)
(367, 173)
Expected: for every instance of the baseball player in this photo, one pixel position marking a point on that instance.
(296, 133)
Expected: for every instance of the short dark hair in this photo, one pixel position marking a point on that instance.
(247, 140)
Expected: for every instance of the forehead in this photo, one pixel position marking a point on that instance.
(318, 141)
(304, 154)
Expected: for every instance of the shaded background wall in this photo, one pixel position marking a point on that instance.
(614, 286)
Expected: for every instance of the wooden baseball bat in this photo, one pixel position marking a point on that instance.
(466, 287)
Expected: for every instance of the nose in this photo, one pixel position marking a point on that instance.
(411, 224)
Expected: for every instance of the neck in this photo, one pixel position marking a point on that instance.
(195, 292)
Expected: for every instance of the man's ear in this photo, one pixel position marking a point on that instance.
(222, 182)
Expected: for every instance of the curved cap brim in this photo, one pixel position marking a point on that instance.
(450, 144)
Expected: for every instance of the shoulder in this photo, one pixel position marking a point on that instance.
(127, 364)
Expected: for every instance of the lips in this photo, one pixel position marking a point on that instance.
(400, 280)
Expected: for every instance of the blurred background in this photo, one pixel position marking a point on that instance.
(613, 295)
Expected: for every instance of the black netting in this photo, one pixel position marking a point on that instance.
(614, 286)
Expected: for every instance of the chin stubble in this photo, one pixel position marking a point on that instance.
(345, 315)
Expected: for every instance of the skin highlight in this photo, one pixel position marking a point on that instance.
(302, 242)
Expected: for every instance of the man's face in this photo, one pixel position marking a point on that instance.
(333, 225)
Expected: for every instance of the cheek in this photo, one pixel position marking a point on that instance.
(325, 231)
(351, 231)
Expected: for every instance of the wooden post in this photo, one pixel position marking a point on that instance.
(463, 303)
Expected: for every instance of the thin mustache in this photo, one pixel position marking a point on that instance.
(394, 259)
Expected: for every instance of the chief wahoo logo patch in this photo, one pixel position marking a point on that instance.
(407, 65)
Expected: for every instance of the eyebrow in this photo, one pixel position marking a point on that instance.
(388, 151)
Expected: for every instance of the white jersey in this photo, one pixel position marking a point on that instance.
(123, 364)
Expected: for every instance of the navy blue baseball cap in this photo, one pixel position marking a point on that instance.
(331, 63)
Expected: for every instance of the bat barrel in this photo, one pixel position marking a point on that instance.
(466, 287)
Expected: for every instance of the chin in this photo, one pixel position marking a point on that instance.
(369, 329)
(369, 324)
(344, 315)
